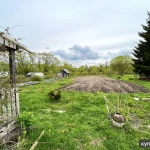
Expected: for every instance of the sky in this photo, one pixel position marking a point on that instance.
(80, 32)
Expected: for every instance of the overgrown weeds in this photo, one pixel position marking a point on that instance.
(36, 78)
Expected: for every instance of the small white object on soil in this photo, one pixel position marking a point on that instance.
(148, 126)
(135, 98)
(60, 111)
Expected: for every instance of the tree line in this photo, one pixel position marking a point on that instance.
(50, 65)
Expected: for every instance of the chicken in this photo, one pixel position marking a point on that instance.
(51, 94)
(55, 96)
(58, 95)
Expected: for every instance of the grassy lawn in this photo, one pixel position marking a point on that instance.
(133, 79)
(80, 121)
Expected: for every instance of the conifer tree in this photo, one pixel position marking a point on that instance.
(142, 51)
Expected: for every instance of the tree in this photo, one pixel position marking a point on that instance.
(48, 60)
(93, 70)
(4, 61)
(22, 63)
(122, 64)
(142, 51)
(32, 61)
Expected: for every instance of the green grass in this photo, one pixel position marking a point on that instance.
(132, 109)
(85, 124)
(132, 79)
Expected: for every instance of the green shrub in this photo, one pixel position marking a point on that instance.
(36, 78)
(26, 119)
(22, 79)
(119, 77)
(48, 76)
(131, 78)
(109, 72)
(130, 104)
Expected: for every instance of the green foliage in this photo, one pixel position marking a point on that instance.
(122, 64)
(134, 79)
(93, 70)
(22, 79)
(26, 119)
(36, 78)
(48, 76)
(22, 142)
(36, 62)
(109, 72)
(4, 66)
(142, 52)
(22, 63)
(131, 78)
(118, 77)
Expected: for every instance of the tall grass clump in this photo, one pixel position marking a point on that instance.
(22, 79)
(36, 78)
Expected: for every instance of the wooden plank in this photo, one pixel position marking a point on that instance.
(4, 115)
(6, 43)
(3, 107)
(9, 105)
(14, 102)
(9, 110)
(17, 102)
(1, 40)
(13, 105)
(6, 130)
(16, 45)
(13, 40)
(36, 142)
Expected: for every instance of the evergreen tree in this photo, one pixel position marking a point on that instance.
(142, 51)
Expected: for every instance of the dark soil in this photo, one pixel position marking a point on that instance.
(103, 84)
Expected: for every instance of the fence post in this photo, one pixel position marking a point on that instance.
(12, 67)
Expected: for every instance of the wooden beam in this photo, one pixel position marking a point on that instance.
(36, 142)
(12, 66)
(11, 42)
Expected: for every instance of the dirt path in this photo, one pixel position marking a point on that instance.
(104, 84)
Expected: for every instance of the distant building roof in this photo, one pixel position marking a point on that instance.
(66, 70)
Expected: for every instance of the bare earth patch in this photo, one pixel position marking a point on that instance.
(97, 142)
(103, 84)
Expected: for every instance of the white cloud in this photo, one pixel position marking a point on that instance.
(108, 28)
(84, 55)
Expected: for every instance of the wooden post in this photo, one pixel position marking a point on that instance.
(12, 67)
(10, 108)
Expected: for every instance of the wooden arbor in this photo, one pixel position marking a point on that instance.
(9, 98)
(11, 45)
